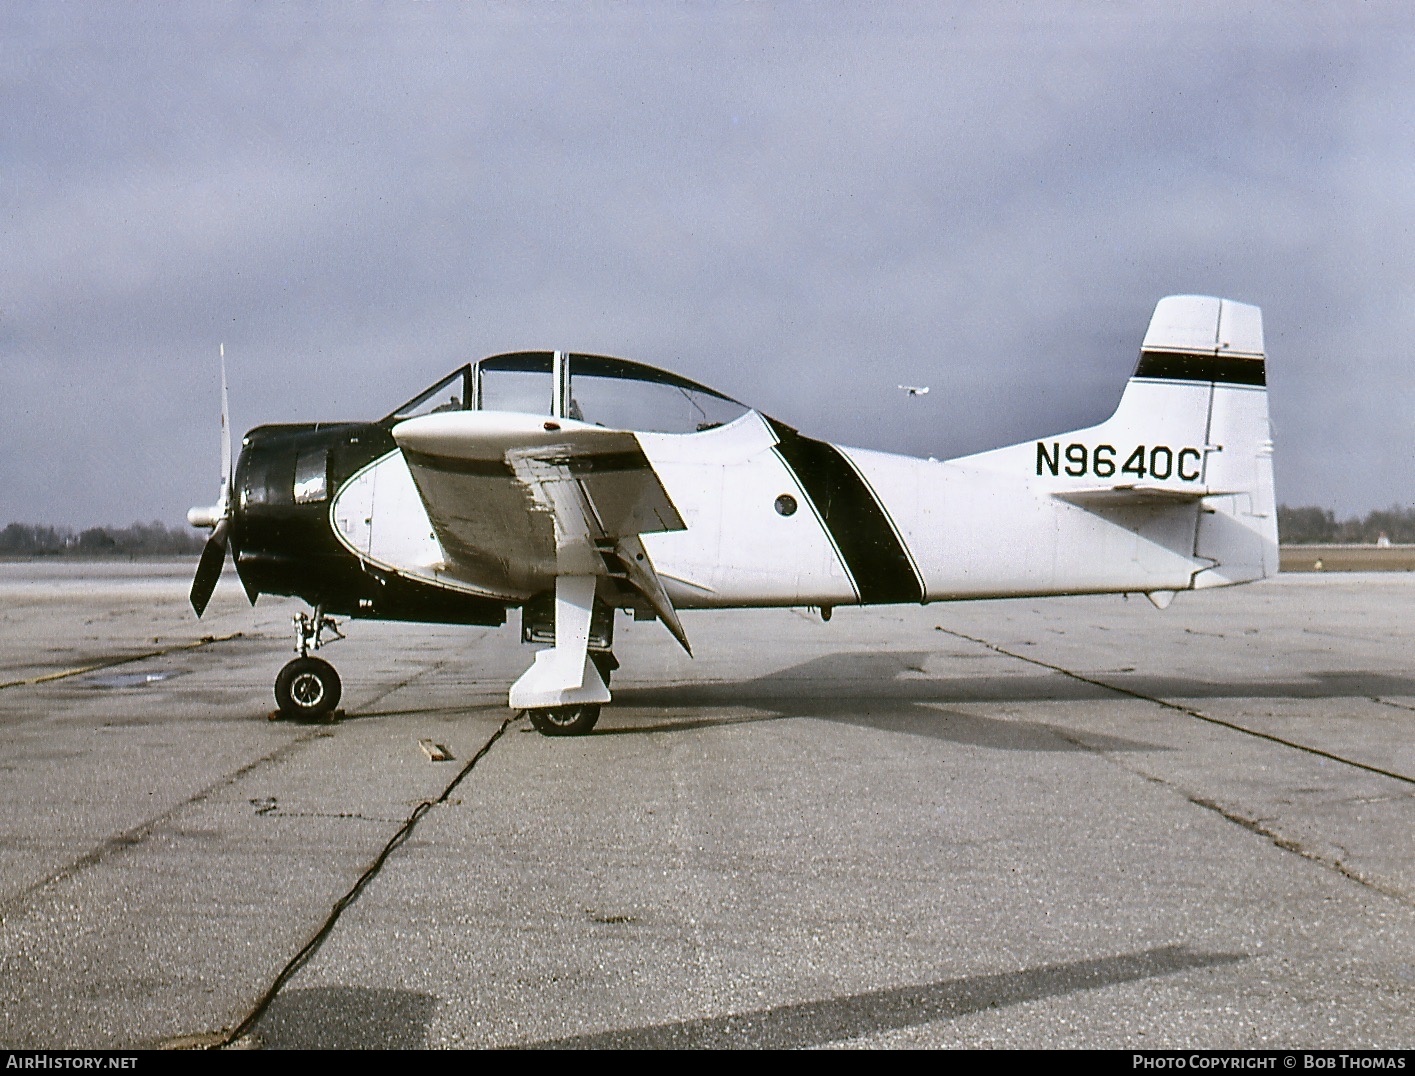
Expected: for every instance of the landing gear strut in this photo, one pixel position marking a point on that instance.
(576, 624)
(307, 688)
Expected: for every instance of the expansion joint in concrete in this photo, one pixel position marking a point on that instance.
(1198, 715)
(1252, 825)
(312, 946)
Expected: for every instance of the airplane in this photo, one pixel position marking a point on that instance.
(572, 486)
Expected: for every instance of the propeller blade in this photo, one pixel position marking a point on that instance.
(213, 559)
(224, 500)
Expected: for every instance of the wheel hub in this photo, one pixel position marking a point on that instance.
(307, 689)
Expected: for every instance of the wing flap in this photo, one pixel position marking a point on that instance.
(606, 494)
(638, 571)
(490, 528)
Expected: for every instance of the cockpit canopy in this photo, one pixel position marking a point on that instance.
(614, 393)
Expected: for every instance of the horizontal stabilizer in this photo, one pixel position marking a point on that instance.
(1131, 496)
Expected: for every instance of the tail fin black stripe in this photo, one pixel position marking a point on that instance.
(874, 555)
(1198, 366)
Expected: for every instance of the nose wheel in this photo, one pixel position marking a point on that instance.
(307, 689)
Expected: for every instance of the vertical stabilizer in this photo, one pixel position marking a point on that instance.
(1183, 466)
(1201, 382)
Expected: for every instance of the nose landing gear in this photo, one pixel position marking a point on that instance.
(308, 689)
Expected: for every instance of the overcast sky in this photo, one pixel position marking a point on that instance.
(803, 205)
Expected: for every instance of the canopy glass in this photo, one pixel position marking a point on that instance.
(614, 393)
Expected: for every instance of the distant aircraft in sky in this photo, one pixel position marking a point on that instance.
(572, 486)
(915, 390)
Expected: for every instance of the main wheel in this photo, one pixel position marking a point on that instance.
(573, 720)
(307, 689)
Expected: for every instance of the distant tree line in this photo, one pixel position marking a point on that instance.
(140, 540)
(1310, 526)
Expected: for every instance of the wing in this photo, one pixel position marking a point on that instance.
(518, 500)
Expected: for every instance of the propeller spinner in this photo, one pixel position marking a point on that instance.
(216, 516)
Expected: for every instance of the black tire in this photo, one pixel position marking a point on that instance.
(307, 689)
(565, 720)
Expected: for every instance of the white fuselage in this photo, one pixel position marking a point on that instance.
(1173, 492)
(982, 526)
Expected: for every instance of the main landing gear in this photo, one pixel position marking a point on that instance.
(577, 719)
(557, 693)
(307, 688)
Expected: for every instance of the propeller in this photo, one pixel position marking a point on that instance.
(216, 516)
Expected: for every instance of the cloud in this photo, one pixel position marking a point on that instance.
(802, 209)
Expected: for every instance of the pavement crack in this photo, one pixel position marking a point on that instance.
(1256, 826)
(312, 946)
(109, 663)
(1393, 704)
(1287, 844)
(1198, 715)
(120, 842)
(1253, 825)
(355, 815)
(399, 686)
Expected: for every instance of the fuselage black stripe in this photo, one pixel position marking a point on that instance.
(893, 528)
(876, 559)
(1199, 366)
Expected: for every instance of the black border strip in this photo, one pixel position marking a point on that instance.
(592, 463)
(880, 566)
(451, 465)
(604, 462)
(1198, 366)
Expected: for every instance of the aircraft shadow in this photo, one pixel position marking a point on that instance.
(346, 1018)
(870, 689)
(910, 718)
(814, 1023)
(889, 690)
(882, 676)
